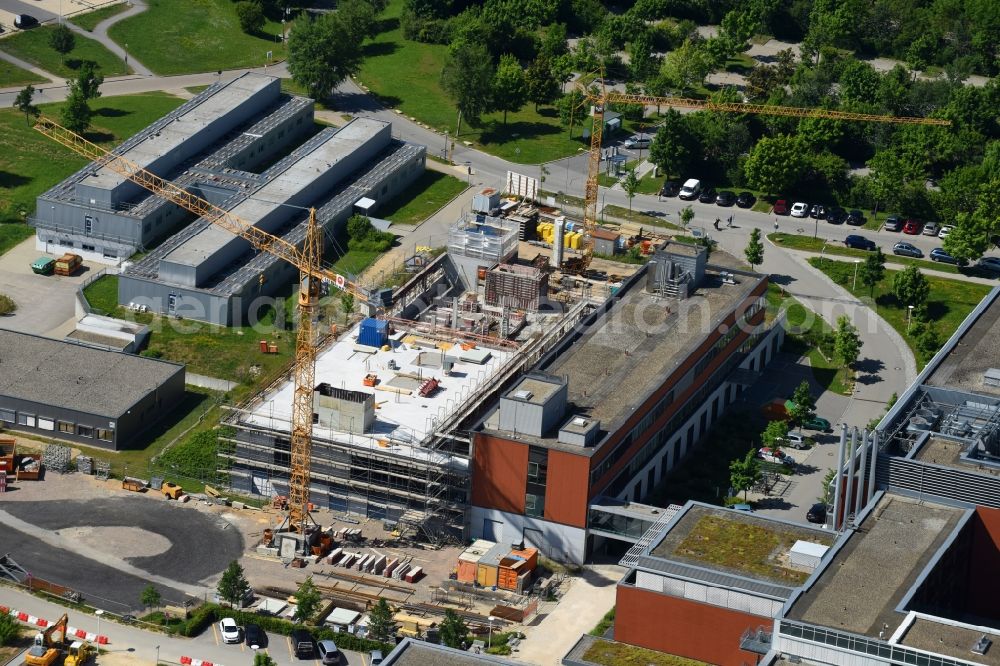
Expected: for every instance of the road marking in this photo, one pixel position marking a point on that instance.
(288, 640)
(215, 632)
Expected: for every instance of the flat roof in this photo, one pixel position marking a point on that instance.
(282, 188)
(214, 105)
(976, 351)
(77, 377)
(952, 639)
(861, 586)
(738, 543)
(540, 390)
(402, 418)
(420, 653)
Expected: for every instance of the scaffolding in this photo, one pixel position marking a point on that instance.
(56, 458)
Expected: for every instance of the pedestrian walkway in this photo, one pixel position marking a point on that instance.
(101, 35)
(23, 64)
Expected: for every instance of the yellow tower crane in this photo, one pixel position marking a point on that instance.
(599, 100)
(311, 274)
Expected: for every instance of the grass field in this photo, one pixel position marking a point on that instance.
(608, 653)
(90, 20)
(354, 261)
(183, 36)
(638, 217)
(810, 244)
(31, 163)
(406, 75)
(949, 302)
(33, 46)
(420, 200)
(12, 75)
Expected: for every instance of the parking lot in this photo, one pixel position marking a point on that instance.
(42, 10)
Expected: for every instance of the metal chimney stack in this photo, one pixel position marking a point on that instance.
(557, 245)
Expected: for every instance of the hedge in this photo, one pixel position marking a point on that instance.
(206, 614)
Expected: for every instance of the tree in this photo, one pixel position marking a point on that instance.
(775, 433)
(347, 304)
(467, 78)
(322, 52)
(62, 39)
(687, 214)
(263, 659)
(775, 163)
(307, 600)
(673, 146)
(872, 270)
(911, 287)
(846, 341)
(250, 14)
(542, 87)
(89, 79)
(754, 251)
(150, 597)
(381, 626)
(803, 403)
(744, 472)
(24, 105)
(631, 186)
(358, 18)
(233, 586)
(686, 67)
(75, 115)
(453, 630)
(570, 108)
(509, 90)
(9, 629)
(974, 231)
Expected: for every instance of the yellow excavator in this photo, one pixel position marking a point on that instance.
(46, 649)
(79, 653)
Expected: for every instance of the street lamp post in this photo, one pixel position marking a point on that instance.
(157, 655)
(468, 171)
(126, 54)
(490, 642)
(857, 262)
(909, 317)
(98, 613)
(816, 229)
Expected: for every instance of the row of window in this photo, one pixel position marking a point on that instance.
(895, 654)
(65, 427)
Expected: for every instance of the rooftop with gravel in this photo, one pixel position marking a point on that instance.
(977, 351)
(860, 588)
(77, 377)
(952, 639)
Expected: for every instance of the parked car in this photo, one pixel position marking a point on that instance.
(912, 227)
(254, 636)
(690, 190)
(817, 212)
(816, 423)
(707, 195)
(945, 230)
(931, 229)
(230, 630)
(800, 209)
(375, 657)
(669, 189)
(905, 249)
(328, 653)
(989, 264)
(745, 199)
(859, 242)
(725, 198)
(794, 441)
(638, 141)
(836, 215)
(775, 455)
(855, 218)
(939, 254)
(817, 513)
(893, 223)
(302, 644)
(781, 207)
(745, 508)
(24, 21)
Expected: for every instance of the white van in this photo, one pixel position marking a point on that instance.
(690, 190)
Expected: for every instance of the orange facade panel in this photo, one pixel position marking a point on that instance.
(682, 627)
(499, 473)
(566, 488)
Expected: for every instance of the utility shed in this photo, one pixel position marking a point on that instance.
(807, 554)
(82, 394)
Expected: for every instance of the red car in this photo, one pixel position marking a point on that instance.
(781, 207)
(912, 227)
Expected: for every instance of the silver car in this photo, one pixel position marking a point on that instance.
(931, 229)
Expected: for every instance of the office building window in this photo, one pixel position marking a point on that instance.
(534, 505)
(7, 415)
(84, 431)
(105, 434)
(26, 420)
(67, 427)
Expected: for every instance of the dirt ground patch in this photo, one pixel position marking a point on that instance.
(120, 541)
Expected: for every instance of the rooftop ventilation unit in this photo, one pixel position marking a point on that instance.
(982, 645)
(523, 395)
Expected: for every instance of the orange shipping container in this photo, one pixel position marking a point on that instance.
(486, 575)
(468, 561)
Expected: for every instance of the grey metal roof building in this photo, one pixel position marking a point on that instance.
(204, 145)
(79, 393)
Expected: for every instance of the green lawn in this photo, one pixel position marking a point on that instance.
(422, 198)
(609, 653)
(637, 217)
(406, 75)
(184, 36)
(650, 185)
(12, 75)
(33, 46)
(810, 244)
(949, 302)
(89, 20)
(31, 163)
(354, 261)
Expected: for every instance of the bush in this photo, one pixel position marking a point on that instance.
(9, 629)
(7, 305)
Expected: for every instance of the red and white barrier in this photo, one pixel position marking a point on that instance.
(188, 661)
(42, 623)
